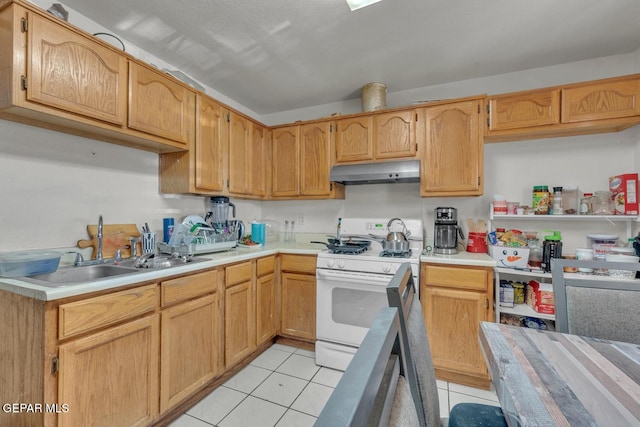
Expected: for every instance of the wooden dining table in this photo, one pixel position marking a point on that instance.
(545, 378)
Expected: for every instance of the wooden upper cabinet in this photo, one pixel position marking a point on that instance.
(354, 139)
(239, 154)
(315, 159)
(210, 145)
(394, 135)
(451, 147)
(259, 159)
(71, 72)
(601, 100)
(524, 109)
(160, 106)
(285, 150)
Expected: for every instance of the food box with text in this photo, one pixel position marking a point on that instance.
(539, 296)
(625, 193)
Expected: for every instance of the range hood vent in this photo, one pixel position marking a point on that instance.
(377, 173)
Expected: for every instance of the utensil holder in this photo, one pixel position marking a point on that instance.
(148, 243)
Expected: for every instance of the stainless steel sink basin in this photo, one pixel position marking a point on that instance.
(70, 275)
(91, 273)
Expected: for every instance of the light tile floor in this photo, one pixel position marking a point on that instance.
(284, 387)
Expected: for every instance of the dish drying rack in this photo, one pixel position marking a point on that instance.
(200, 239)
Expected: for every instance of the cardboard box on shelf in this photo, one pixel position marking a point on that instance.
(506, 294)
(625, 193)
(539, 296)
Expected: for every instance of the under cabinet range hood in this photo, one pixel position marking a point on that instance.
(377, 173)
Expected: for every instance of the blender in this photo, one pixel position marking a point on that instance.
(219, 211)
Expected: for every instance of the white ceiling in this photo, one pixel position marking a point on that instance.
(279, 55)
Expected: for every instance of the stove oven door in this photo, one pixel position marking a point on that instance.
(347, 304)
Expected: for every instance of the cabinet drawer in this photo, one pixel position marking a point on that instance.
(298, 263)
(456, 277)
(81, 316)
(238, 273)
(266, 265)
(187, 287)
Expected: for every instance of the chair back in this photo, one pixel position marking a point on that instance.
(371, 391)
(418, 364)
(596, 306)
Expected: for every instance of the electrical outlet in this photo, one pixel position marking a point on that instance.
(301, 219)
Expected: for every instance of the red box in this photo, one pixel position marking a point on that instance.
(625, 193)
(539, 296)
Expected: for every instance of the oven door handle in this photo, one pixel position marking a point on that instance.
(343, 276)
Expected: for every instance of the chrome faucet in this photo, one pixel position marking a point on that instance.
(99, 256)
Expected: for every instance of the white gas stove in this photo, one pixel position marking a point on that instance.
(351, 287)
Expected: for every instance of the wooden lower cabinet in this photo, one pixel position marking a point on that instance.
(190, 342)
(298, 296)
(455, 299)
(266, 315)
(110, 377)
(239, 314)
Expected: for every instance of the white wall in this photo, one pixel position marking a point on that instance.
(54, 184)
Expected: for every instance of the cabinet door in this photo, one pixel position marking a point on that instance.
(159, 106)
(315, 160)
(452, 318)
(110, 378)
(266, 326)
(258, 164)
(239, 324)
(605, 100)
(298, 305)
(212, 137)
(524, 109)
(239, 154)
(394, 135)
(68, 71)
(451, 159)
(354, 139)
(188, 354)
(285, 152)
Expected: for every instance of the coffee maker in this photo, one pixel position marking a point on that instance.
(446, 231)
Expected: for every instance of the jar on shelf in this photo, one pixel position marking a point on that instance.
(540, 200)
(585, 204)
(602, 203)
(570, 200)
(557, 201)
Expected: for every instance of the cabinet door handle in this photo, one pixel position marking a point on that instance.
(486, 303)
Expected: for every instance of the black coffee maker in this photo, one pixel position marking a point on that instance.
(446, 231)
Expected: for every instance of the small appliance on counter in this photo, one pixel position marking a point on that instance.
(446, 231)
(219, 210)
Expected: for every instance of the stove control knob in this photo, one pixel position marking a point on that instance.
(330, 263)
(386, 268)
(340, 263)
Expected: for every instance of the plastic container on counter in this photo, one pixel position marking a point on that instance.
(28, 263)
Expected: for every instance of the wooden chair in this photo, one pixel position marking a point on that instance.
(371, 390)
(419, 371)
(596, 306)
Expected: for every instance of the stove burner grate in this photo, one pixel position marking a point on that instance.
(348, 250)
(387, 254)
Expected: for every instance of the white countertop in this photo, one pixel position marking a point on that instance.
(301, 247)
(47, 293)
(461, 258)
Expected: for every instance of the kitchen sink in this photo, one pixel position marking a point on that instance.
(70, 275)
(91, 273)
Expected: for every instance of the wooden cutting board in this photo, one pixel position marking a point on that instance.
(114, 236)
